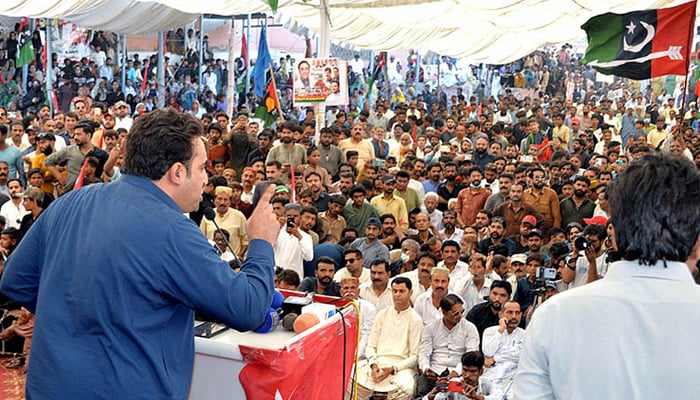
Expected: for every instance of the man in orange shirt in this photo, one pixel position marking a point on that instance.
(472, 198)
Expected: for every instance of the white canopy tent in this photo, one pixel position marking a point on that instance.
(496, 31)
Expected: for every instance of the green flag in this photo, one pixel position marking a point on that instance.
(25, 50)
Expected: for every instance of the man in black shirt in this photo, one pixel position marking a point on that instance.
(323, 282)
(484, 315)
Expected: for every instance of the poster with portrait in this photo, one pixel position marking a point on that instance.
(321, 80)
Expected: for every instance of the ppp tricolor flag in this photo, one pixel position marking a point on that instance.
(641, 44)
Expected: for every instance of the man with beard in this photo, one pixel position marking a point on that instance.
(514, 210)
(433, 182)
(370, 246)
(331, 155)
(123, 119)
(293, 246)
(13, 211)
(525, 291)
(504, 183)
(346, 182)
(264, 146)
(359, 211)
(484, 315)
(449, 189)
(72, 157)
(11, 155)
(578, 206)
(44, 147)
(333, 223)
(228, 218)
(471, 199)
(288, 153)
(388, 203)
(534, 245)
(496, 231)
(323, 282)
(544, 199)
(451, 232)
(427, 305)
(353, 267)
(314, 182)
(587, 265)
(481, 156)
(390, 236)
(502, 345)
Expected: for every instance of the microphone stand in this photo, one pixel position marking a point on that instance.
(210, 214)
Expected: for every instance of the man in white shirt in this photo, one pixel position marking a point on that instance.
(427, 305)
(350, 289)
(378, 291)
(474, 287)
(450, 260)
(392, 349)
(353, 267)
(502, 345)
(293, 246)
(420, 277)
(652, 293)
(443, 343)
(13, 210)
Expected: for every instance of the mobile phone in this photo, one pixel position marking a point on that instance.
(378, 163)
(291, 222)
(619, 163)
(209, 329)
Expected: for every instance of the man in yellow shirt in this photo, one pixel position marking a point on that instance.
(387, 203)
(357, 142)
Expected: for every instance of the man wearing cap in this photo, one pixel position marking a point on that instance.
(229, 219)
(388, 203)
(371, 247)
(122, 120)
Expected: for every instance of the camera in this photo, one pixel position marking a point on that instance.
(581, 242)
(291, 222)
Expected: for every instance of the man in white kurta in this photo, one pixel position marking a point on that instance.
(427, 305)
(392, 349)
(502, 345)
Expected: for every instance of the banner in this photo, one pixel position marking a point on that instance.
(321, 80)
(311, 368)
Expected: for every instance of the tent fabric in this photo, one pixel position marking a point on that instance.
(495, 31)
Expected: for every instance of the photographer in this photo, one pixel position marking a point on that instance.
(471, 386)
(588, 259)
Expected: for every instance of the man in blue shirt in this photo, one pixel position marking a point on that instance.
(114, 297)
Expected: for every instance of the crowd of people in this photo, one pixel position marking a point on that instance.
(449, 218)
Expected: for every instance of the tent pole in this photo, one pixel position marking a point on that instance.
(201, 54)
(161, 71)
(231, 78)
(123, 63)
(247, 67)
(48, 68)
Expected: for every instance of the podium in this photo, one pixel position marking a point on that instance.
(314, 364)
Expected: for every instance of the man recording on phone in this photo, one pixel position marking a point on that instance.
(471, 385)
(293, 246)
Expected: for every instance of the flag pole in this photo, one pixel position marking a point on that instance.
(691, 27)
(273, 84)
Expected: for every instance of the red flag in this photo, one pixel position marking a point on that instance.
(2, 80)
(145, 80)
(165, 44)
(54, 99)
(309, 368)
(81, 176)
(244, 50)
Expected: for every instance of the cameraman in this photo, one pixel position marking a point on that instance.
(589, 264)
(472, 385)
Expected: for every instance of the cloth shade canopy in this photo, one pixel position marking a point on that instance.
(496, 31)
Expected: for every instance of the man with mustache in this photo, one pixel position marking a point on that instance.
(451, 232)
(427, 305)
(502, 345)
(577, 206)
(323, 282)
(497, 230)
(370, 246)
(229, 219)
(420, 277)
(544, 199)
(378, 291)
(350, 289)
(485, 314)
(353, 268)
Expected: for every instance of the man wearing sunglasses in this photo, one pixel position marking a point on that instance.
(443, 343)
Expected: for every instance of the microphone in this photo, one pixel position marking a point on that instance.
(210, 214)
(288, 321)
